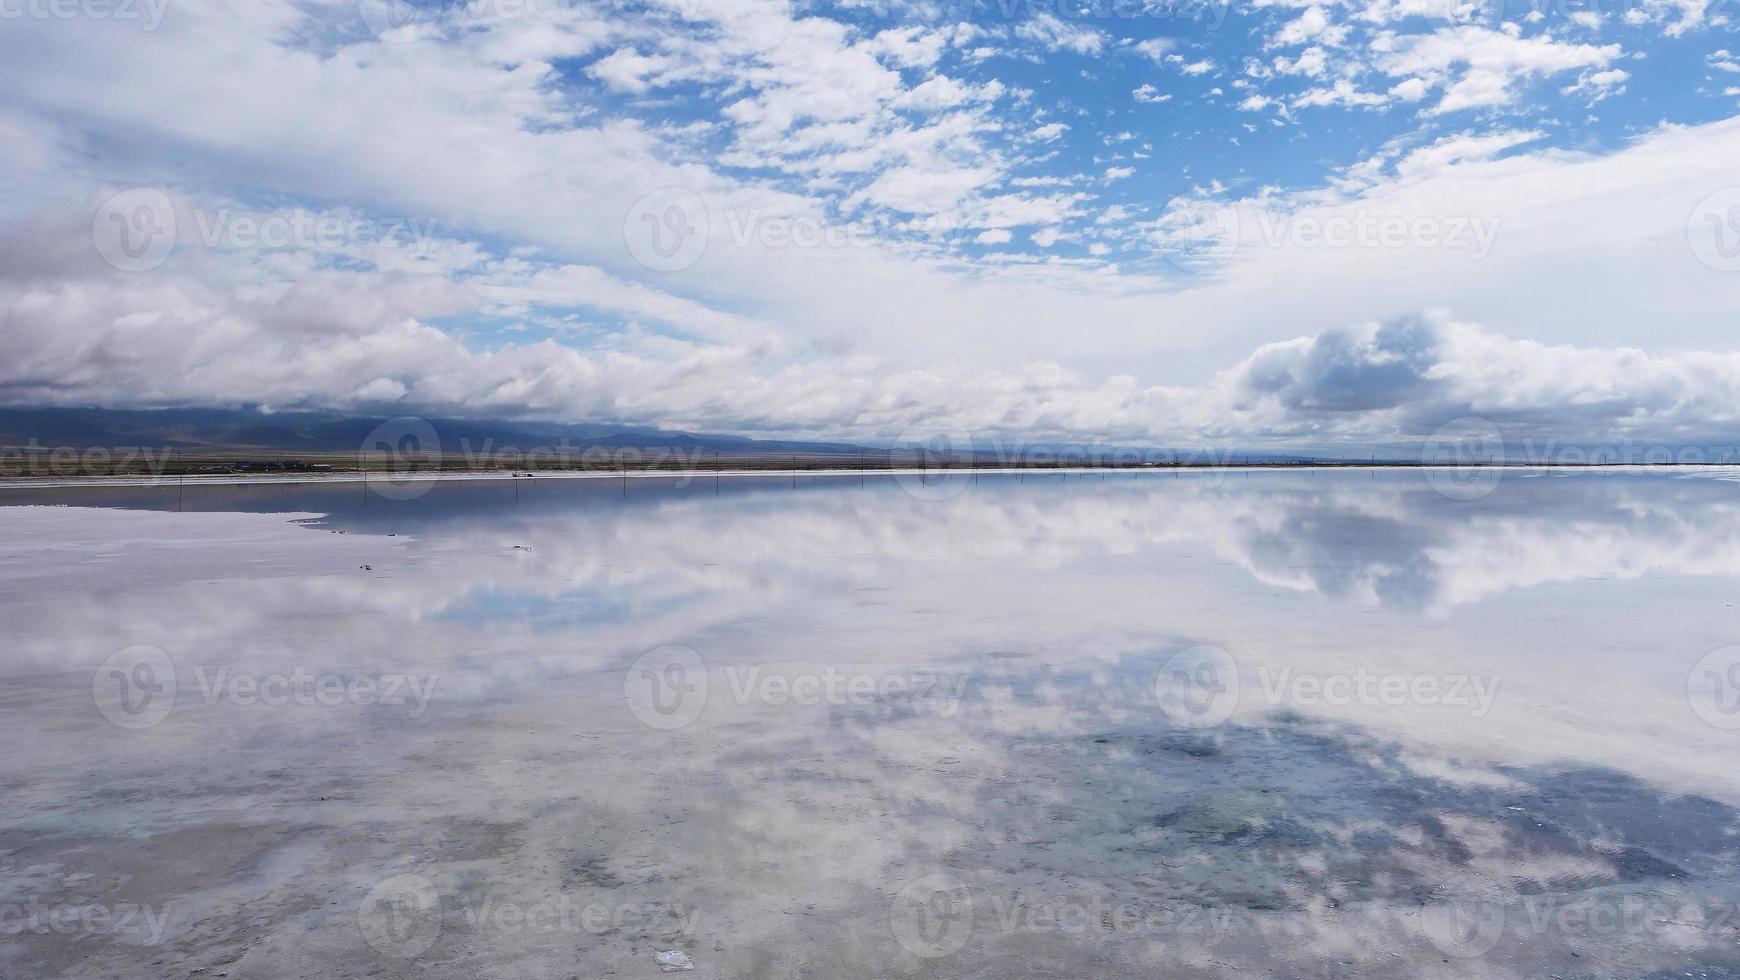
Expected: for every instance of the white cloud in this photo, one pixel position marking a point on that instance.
(1155, 47)
(1151, 95)
(1490, 62)
(1312, 62)
(943, 92)
(1342, 92)
(920, 190)
(1312, 25)
(479, 128)
(911, 47)
(1598, 85)
(1410, 90)
(1056, 35)
(1459, 149)
(628, 70)
(210, 344)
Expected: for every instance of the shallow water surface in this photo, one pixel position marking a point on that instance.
(1328, 724)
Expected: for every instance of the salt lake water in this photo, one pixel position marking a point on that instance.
(1324, 723)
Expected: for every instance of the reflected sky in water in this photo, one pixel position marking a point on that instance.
(1203, 724)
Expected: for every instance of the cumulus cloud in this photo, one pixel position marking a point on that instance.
(1598, 85)
(533, 140)
(1055, 34)
(1490, 62)
(1313, 24)
(1155, 48)
(1341, 371)
(82, 333)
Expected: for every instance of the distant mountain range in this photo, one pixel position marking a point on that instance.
(237, 433)
(242, 430)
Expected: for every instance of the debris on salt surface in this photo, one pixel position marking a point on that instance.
(673, 960)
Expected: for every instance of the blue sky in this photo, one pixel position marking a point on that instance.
(1277, 223)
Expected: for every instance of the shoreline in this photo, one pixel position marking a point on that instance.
(26, 481)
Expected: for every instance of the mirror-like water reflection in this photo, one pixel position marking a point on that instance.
(1285, 723)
